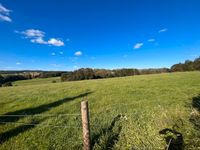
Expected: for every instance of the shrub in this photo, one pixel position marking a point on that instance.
(53, 81)
(7, 84)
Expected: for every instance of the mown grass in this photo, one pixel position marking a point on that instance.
(125, 113)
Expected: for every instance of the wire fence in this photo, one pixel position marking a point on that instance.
(4, 118)
(7, 116)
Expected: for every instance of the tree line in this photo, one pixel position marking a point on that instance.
(88, 73)
(7, 77)
(188, 65)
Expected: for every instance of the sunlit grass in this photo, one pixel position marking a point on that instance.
(146, 104)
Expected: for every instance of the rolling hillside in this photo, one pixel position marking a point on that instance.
(136, 112)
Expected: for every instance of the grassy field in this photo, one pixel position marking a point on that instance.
(37, 81)
(137, 112)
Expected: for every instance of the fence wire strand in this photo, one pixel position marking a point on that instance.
(40, 115)
(38, 124)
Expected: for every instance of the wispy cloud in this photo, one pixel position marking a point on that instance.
(18, 63)
(39, 40)
(55, 65)
(53, 54)
(194, 55)
(75, 67)
(5, 14)
(37, 36)
(33, 33)
(151, 40)
(138, 45)
(78, 53)
(162, 30)
(61, 53)
(125, 55)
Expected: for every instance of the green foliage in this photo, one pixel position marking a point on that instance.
(88, 73)
(1, 79)
(187, 66)
(50, 74)
(7, 84)
(146, 104)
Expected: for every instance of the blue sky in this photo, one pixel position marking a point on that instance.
(71, 34)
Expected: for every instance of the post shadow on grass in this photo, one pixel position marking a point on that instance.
(38, 109)
(5, 136)
(196, 102)
(194, 118)
(173, 138)
(113, 136)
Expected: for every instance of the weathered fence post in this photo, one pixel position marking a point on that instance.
(86, 125)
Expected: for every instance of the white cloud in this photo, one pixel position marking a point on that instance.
(33, 33)
(151, 40)
(5, 14)
(39, 40)
(37, 36)
(78, 53)
(4, 10)
(53, 54)
(162, 30)
(138, 45)
(18, 63)
(55, 65)
(61, 53)
(55, 42)
(5, 18)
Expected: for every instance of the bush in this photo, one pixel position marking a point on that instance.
(7, 84)
(54, 81)
(11, 78)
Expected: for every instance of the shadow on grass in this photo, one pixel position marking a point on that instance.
(30, 111)
(195, 115)
(173, 139)
(14, 132)
(112, 136)
(196, 102)
(38, 109)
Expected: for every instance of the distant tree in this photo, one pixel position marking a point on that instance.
(188, 65)
(197, 64)
(177, 67)
(11, 78)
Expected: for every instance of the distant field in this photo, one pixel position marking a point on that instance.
(147, 104)
(37, 81)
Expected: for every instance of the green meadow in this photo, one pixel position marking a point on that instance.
(127, 113)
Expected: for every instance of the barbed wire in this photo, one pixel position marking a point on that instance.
(106, 108)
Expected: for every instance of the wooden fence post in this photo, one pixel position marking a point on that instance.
(86, 125)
